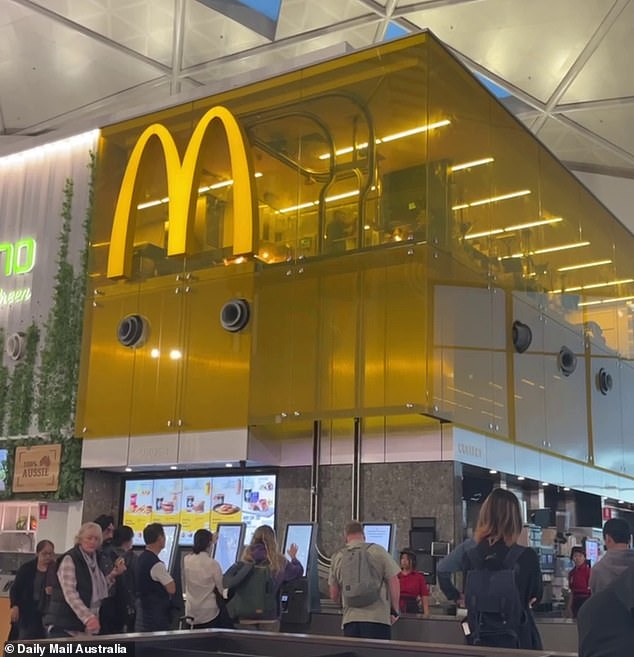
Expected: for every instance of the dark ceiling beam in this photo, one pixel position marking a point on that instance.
(244, 15)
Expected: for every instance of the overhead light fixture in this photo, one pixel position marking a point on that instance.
(551, 249)
(470, 165)
(128, 469)
(228, 465)
(566, 489)
(83, 140)
(173, 467)
(155, 353)
(328, 199)
(545, 483)
(393, 137)
(520, 478)
(201, 190)
(176, 354)
(493, 471)
(596, 263)
(510, 229)
(602, 301)
(492, 199)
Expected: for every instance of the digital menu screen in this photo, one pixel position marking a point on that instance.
(379, 533)
(200, 503)
(302, 536)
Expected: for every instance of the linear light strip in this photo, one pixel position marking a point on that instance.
(310, 204)
(602, 301)
(596, 263)
(594, 286)
(388, 138)
(509, 229)
(201, 190)
(470, 165)
(552, 249)
(492, 199)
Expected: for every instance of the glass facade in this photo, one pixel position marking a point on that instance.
(399, 221)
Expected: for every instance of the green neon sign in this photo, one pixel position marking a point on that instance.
(19, 257)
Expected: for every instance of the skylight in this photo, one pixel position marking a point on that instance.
(496, 90)
(268, 8)
(394, 31)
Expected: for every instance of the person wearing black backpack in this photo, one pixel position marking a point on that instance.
(503, 579)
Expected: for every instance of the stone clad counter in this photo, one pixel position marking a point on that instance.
(558, 634)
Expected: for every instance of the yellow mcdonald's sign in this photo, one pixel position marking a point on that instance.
(182, 191)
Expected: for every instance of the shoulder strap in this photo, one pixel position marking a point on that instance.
(475, 560)
(514, 553)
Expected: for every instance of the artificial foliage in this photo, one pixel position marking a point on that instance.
(21, 393)
(4, 382)
(42, 389)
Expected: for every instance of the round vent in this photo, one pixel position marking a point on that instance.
(132, 331)
(522, 336)
(566, 361)
(234, 315)
(604, 381)
(15, 346)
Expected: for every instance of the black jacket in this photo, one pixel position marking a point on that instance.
(21, 595)
(59, 612)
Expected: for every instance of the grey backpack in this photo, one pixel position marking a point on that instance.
(360, 584)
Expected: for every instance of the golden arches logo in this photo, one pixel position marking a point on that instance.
(182, 191)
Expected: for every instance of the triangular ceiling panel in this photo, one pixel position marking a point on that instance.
(518, 41)
(608, 72)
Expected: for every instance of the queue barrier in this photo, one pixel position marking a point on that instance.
(233, 643)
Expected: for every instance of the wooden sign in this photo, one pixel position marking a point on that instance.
(36, 468)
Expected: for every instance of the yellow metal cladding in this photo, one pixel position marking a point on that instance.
(397, 220)
(182, 191)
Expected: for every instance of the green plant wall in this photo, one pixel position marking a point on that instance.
(41, 391)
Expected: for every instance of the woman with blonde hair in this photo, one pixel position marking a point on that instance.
(254, 604)
(498, 528)
(80, 586)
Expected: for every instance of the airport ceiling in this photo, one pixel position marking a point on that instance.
(565, 68)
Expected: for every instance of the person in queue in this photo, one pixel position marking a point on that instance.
(106, 556)
(617, 558)
(449, 565)
(498, 528)
(414, 596)
(124, 595)
(80, 587)
(605, 625)
(154, 584)
(262, 551)
(29, 595)
(372, 621)
(578, 581)
(202, 581)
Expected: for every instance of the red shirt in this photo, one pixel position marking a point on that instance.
(579, 580)
(412, 585)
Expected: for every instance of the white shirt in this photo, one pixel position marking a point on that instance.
(159, 573)
(201, 575)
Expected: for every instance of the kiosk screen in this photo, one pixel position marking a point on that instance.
(166, 555)
(229, 544)
(379, 533)
(302, 536)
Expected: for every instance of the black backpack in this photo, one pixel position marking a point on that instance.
(495, 612)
